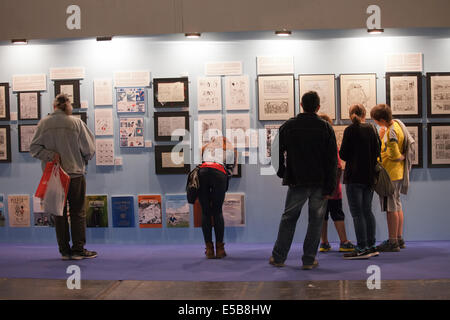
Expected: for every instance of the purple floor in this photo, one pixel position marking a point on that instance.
(245, 262)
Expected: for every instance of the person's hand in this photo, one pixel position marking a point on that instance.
(57, 158)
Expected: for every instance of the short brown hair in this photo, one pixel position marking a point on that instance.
(381, 112)
(325, 117)
(357, 112)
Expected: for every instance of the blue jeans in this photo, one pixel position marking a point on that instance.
(295, 199)
(360, 202)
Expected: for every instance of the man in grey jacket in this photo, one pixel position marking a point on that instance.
(67, 140)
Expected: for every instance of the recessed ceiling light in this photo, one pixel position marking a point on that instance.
(104, 38)
(283, 33)
(192, 35)
(19, 41)
(375, 31)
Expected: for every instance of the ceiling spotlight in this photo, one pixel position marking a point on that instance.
(193, 35)
(19, 41)
(105, 38)
(283, 33)
(375, 31)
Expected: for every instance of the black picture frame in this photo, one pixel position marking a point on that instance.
(159, 169)
(237, 171)
(171, 104)
(418, 75)
(5, 86)
(431, 148)
(76, 90)
(418, 144)
(430, 92)
(81, 115)
(7, 128)
(159, 115)
(19, 105)
(21, 146)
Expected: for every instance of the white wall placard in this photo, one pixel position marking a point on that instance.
(132, 79)
(67, 73)
(275, 65)
(228, 68)
(30, 82)
(103, 92)
(404, 62)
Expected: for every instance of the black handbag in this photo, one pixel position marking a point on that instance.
(192, 185)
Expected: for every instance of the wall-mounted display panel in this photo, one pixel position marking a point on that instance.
(358, 89)
(209, 93)
(169, 161)
(237, 93)
(122, 211)
(276, 97)
(150, 211)
(130, 100)
(171, 92)
(237, 128)
(438, 145)
(131, 132)
(19, 210)
(171, 126)
(26, 134)
(96, 207)
(71, 88)
(177, 211)
(4, 101)
(29, 105)
(438, 90)
(415, 129)
(324, 85)
(404, 94)
(5, 143)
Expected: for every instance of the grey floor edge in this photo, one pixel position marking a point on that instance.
(47, 289)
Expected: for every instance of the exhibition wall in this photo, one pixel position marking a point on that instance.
(170, 56)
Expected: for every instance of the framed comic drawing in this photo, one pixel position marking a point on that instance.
(404, 94)
(26, 134)
(438, 90)
(324, 85)
(131, 132)
(81, 115)
(5, 143)
(4, 101)
(71, 88)
(29, 105)
(130, 100)
(415, 129)
(169, 161)
(276, 97)
(357, 89)
(438, 145)
(171, 92)
(171, 126)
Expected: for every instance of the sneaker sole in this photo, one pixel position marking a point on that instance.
(324, 250)
(358, 258)
(82, 257)
(346, 250)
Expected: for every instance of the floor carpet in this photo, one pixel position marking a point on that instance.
(245, 262)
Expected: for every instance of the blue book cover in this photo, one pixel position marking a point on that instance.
(123, 212)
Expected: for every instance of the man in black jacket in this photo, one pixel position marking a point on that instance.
(307, 164)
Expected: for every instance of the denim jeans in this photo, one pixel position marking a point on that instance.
(360, 202)
(295, 199)
(75, 198)
(213, 185)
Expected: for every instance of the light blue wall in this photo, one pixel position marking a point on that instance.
(426, 205)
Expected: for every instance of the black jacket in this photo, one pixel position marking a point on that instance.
(311, 153)
(359, 149)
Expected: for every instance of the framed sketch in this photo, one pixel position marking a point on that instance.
(71, 88)
(80, 115)
(415, 129)
(438, 89)
(29, 105)
(404, 94)
(276, 97)
(210, 125)
(168, 161)
(237, 129)
(171, 126)
(131, 132)
(209, 93)
(171, 92)
(438, 145)
(234, 210)
(237, 93)
(5, 143)
(358, 89)
(324, 85)
(131, 100)
(4, 101)
(26, 134)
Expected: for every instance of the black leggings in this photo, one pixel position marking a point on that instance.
(213, 186)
